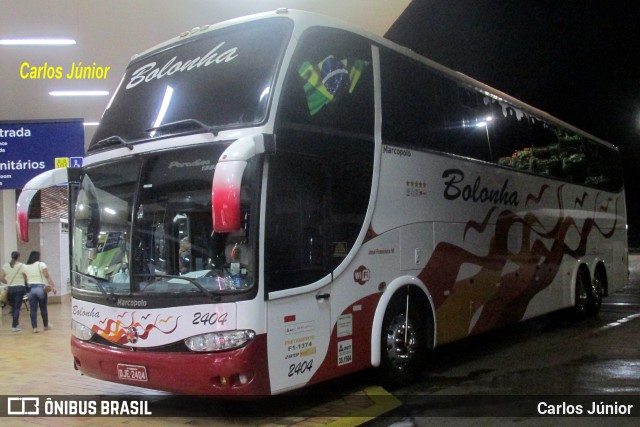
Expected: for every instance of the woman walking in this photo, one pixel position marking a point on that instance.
(13, 274)
(37, 277)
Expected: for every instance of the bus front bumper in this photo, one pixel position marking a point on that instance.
(240, 372)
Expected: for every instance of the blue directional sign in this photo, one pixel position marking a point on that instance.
(76, 162)
(31, 147)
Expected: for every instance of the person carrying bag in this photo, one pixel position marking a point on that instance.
(40, 283)
(14, 271)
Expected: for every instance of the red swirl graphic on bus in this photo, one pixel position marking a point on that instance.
(119, 330)
(495, 295)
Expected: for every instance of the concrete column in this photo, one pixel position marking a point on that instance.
(8, 234)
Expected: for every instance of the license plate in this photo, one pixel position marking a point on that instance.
(132, 372)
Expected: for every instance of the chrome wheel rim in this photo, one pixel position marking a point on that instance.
(401, 342)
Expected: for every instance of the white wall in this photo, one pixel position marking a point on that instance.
(8, 236)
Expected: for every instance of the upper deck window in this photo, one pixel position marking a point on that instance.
(329, 84)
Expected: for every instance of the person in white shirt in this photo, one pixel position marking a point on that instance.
(37, 278)
(13, 275)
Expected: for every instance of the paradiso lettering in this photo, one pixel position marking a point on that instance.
(149, 71)
(204, 164)
(454, 187)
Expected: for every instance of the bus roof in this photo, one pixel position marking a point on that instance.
(304, 20)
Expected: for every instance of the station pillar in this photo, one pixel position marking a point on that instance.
(8, 235)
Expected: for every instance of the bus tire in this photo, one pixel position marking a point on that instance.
(583, 289)
(597, 290)
(405, 339)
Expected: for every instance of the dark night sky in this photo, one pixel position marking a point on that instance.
(578, 60)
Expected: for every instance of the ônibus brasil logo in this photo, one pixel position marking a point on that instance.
(361, 275)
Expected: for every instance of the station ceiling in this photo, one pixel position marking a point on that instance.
(109, 32)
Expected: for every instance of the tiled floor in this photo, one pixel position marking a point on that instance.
(41, 365)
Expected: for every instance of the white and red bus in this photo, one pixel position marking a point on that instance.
(282, 199)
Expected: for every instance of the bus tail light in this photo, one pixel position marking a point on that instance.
(219, 341)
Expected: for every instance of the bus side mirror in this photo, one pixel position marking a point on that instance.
(227, 180)
(22, 214)
(225, 196)
(46, 179)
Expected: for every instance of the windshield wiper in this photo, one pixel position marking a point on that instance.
(111, 140)
(187, 124)
(188, 279)
(98, 280)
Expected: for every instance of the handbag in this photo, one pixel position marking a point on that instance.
(4, 295)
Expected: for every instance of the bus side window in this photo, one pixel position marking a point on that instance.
(557, 152)
(469, 127)
(510, 135)
(328, 83)
(296, 252)
(320, 178)
(423, 109)
(411, 104)
(602, 167)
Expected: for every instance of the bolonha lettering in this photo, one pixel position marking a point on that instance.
(455, 187)
(150, 72)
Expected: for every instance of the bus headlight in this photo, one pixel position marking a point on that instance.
(80, 331)
(218, 341)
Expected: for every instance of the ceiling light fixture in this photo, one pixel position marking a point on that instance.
(37, 42)
(91, 123)
(79, 93)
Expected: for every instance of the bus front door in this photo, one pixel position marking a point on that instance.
(298, 336)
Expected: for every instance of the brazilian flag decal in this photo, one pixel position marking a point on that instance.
(329, 80)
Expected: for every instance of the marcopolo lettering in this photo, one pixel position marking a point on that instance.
(397, 151)
(131, 302)
(455, 187)
(149, 71)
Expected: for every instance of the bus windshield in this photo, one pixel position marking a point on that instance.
(145, 227)
(218, 80)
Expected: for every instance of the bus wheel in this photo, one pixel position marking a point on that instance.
(596, 291)
(405, 334)
(583, 288)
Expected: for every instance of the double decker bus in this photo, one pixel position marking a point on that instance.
(282, 199)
